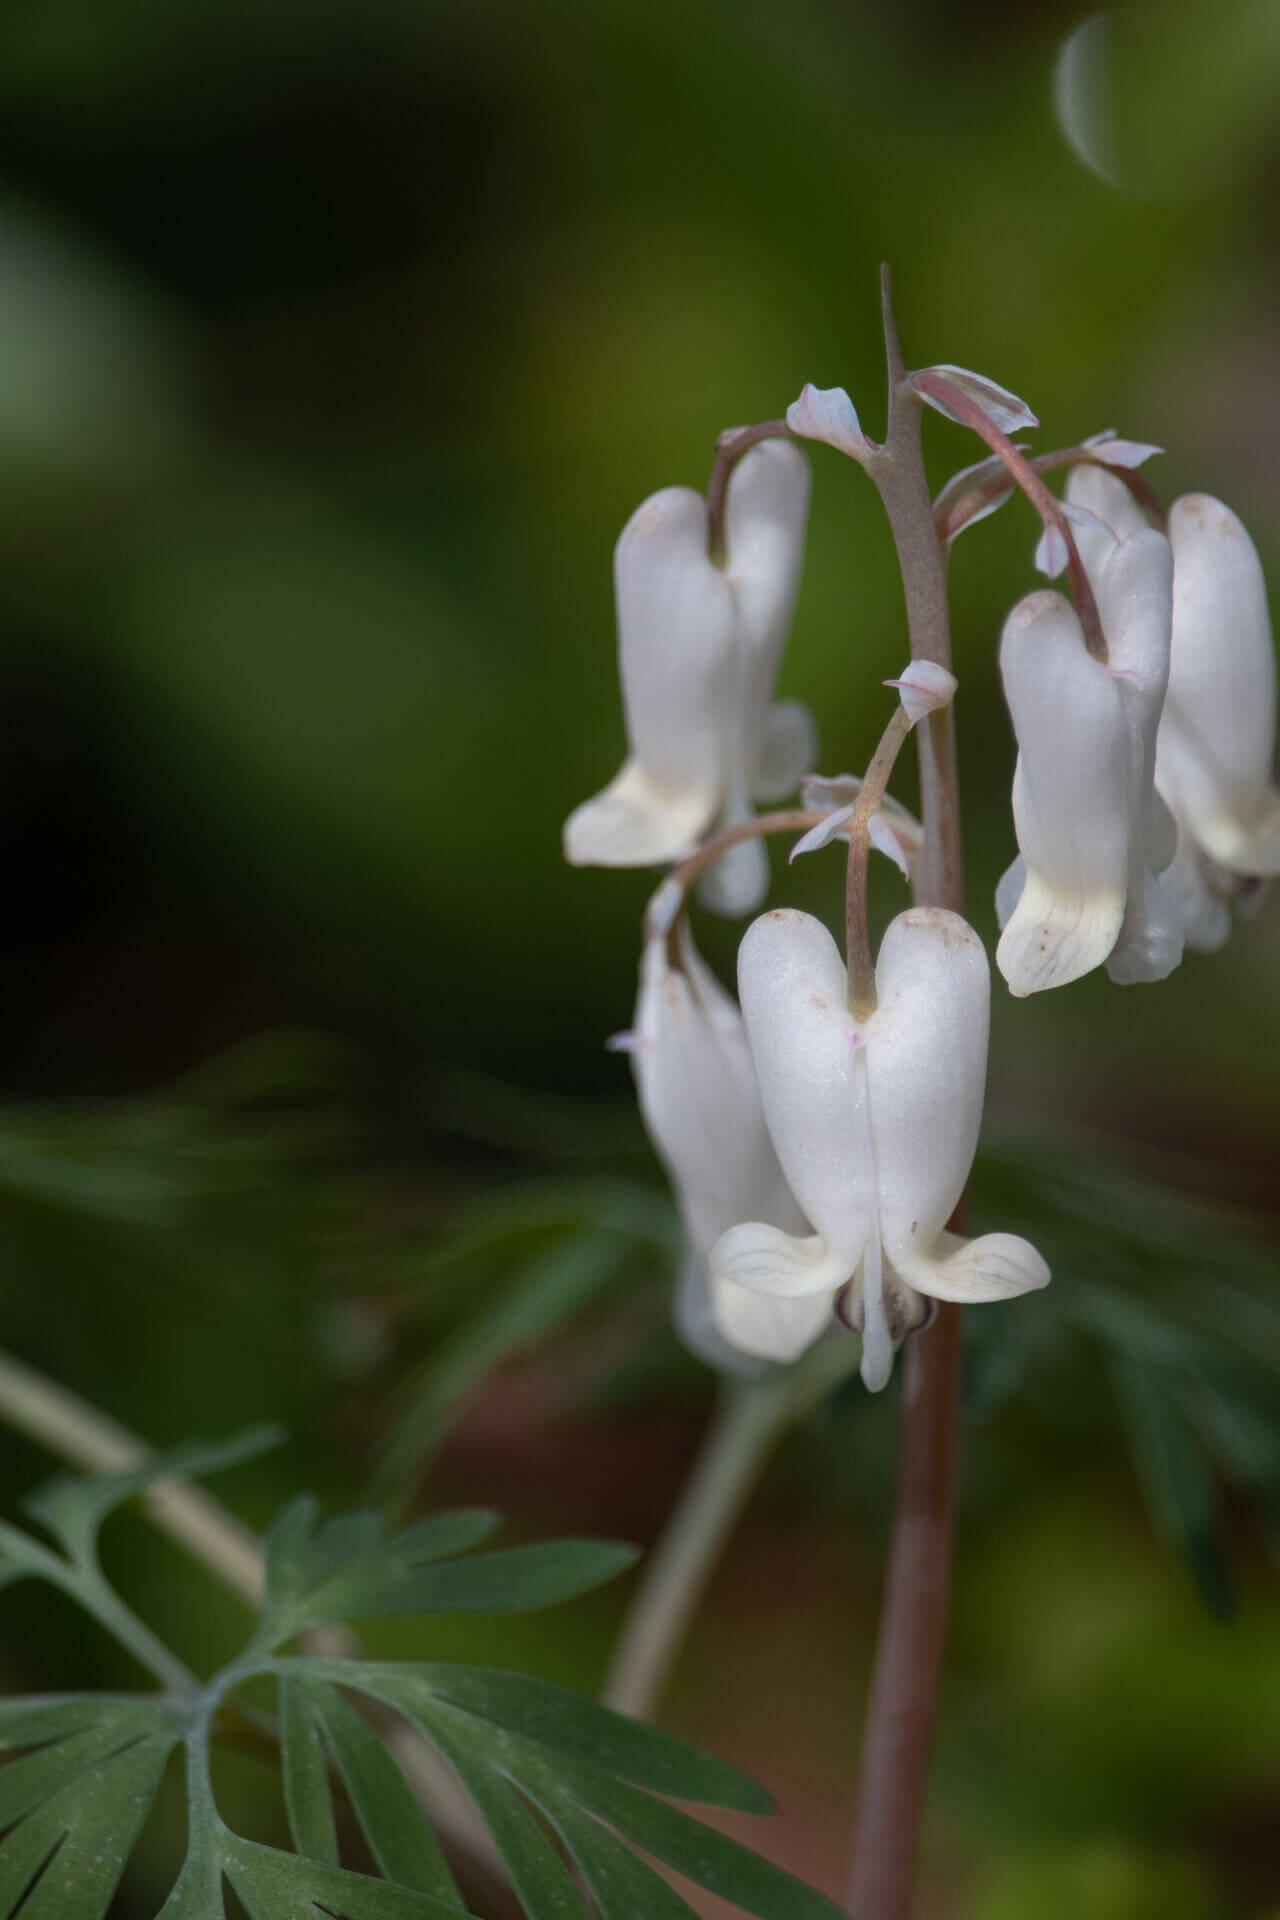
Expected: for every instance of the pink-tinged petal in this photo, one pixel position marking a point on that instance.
(886, 841)
(968, 481)
(1071, 798)
(1086, 518)
(827, 413)
(1004, 409)
(834, 827)
(924, 687)
(1117, 513)
(1051, 554)
(842, 789)
(1120, 453)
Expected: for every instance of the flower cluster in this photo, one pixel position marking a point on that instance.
(819, 1136)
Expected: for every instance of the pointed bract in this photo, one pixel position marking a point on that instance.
(827, 413)
(1002, 408)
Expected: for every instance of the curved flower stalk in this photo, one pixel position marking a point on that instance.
(875, 1126)
(701, 1105)
(699, 646)
(1216, 743)
(1093, 835)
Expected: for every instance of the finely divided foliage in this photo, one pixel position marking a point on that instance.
(566, 1788)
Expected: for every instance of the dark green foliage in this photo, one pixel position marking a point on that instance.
(554, 1776)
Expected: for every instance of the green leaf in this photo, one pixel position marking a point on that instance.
(74, 1846)
(620, 1883)
(1176, 1480)
(546, 1291)
(577, 1726)
(28, 1721)
(541, 1880)
(400, 1839)
(282, 1886)
(306, 1779)
(27, 1783)
(708, 1858)
(512, 1580)
(73, 1507)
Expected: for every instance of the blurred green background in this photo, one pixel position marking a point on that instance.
(337, 342)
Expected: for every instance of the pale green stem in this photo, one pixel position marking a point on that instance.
(751, 1418)
(68, 1426)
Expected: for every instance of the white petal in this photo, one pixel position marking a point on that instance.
(1109, 498)
(924, 687)
(788, 749)
(675, 651)
(1009, 891)
(1152, 938)
(834, 827)
(999, 1266)
(886, 841)
(768, 1328)
(1217, 739)
(766, 1260)
(736, 883)
(1134, 588)
(1052, 553)
(791, 978)
(926, 1063)
(635, 823)
(696, 1325)
(827, 413)
(1071, 798)
(700, 1102)
(1001, 407)
(1120, 453)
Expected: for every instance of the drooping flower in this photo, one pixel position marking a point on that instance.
(875, 1126)
(1216, 743)
(699, 646)
(1093, 835)
(701, 1105)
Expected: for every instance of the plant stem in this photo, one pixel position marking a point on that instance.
(67, 1426)
(730, 447)
(751, 1418)
(912, 1630)
(857, 934)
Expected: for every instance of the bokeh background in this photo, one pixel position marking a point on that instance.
(337, 342)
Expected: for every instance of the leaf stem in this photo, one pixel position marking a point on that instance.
(912, 1630)
(68, 1426)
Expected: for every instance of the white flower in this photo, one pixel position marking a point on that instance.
(1216, 743)
(701, 1105)
(875, 1126)
(1093, 835)
(698, 648)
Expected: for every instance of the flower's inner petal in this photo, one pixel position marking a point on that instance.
(635, 822)
(997, 1267)
(768, 1261)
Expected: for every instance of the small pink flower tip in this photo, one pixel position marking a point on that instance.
(827, 413)
(923, 688)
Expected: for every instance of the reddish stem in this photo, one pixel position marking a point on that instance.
(730, 447)
(961, 511)
(1046, 504)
